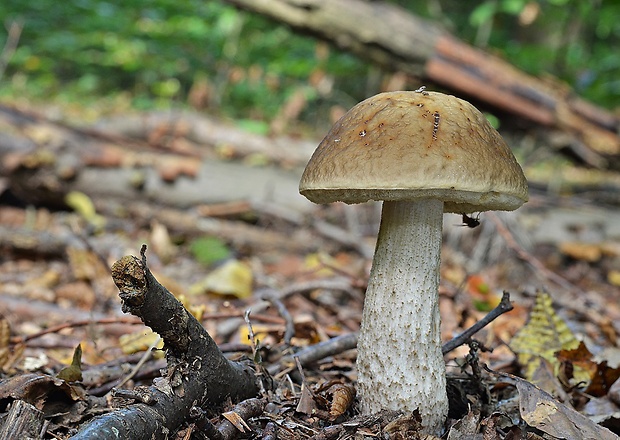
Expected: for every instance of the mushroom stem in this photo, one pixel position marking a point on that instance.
(400, 364)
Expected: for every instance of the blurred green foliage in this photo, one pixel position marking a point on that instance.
(575, 40)
(213, 57)
(209, 250)
(156, 51)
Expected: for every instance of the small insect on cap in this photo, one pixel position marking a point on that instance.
(415, 145)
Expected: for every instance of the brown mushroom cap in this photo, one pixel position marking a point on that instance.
(412, 145)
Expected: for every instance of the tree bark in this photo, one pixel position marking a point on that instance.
(24, 421)
(393, 38)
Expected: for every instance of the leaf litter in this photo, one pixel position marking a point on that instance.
(567, 376)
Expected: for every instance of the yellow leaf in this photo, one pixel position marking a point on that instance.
(234, 278)
(590, 252)
(261, 332)
(197, 310)
(542, 337)
(317, 262)
(140, 341)
(614, 277)
(83, 205)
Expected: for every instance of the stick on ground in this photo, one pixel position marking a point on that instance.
(504, 306)
(197, 371)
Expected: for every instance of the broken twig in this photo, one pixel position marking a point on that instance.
(197, 373)
(504, 306)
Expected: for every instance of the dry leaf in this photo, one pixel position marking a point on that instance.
(545, 378)
(8, 357)
(79, 293)
(589, 252)
(342, 397)
(5, 335)
(407, 427)
(161, 242)
(36, 388)
(197, 310)
(543, 336)
(86, 265)
(306, 404)
(614, 277)
(315, 262)
(597, 375)
(234, 278)
(73, 373)
(614, 392)
(140, 341)
(601, 409)
(467, 427)
(261, 333)
(541, 411)
(237, 421)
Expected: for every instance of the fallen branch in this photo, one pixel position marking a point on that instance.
(349, 341)
(74, 324)
(197, 371)
(504, 306)
(425, 50)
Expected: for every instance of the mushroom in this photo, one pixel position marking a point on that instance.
(422, 154)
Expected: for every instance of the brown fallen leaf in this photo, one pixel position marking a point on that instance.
(342, 396)
(614, 392)
(407, 427)
(540, 410)
(590, 252)
(237, 421)
(600, 376)
(601, 410)
(467, 427)
(36, 388)
(306, 404)
(5, 335)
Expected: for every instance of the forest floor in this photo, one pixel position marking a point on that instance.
(301, 274)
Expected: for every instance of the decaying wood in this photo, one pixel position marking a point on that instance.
(43, 161)
(392, 37)
(200, 129)
(243, 410)
(197, 372)
(23, 421)
(238, 233)
(546, 102)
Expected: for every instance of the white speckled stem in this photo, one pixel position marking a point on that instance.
(400, 364)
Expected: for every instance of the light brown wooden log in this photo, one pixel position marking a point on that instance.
(394, 38)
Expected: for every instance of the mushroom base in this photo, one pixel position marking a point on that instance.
(400, 364)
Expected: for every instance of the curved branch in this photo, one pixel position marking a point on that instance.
(197, 372)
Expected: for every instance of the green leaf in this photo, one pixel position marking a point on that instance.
(73, 373)
(208, 250)
(493, 120)
(513, 7)
(482, 13)
(252, 126)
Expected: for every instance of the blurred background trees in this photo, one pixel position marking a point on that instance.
(207, 55)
